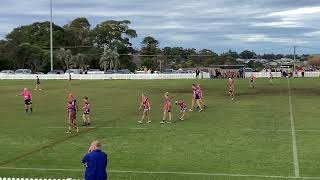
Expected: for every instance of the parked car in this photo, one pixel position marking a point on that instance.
(56, 72)
(111, 72)
(123, 71)
(248, 70)
(7, 72)
(169, 71)
(95, 71)
(74, 71)
(23, 71)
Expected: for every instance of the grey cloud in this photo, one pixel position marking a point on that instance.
(212, 24)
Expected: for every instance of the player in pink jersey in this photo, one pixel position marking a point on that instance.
(183, 108)
(145, 103)
(231, 88)
(71, 117)
(86, 112)
(201, 96)
(167, 109)
(27, 96)
(194, 88)
(196, 97)
(252, 80)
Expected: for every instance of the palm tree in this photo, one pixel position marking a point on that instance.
(109, 58)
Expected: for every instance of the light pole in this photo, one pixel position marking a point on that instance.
(51, 37)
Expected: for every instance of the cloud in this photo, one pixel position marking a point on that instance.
(218, 24)
(297, 12)
(263, 38)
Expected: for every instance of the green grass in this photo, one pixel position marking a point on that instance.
(249, 136)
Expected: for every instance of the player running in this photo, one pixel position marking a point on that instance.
(38, 87)
(146, 108)
(71, 117)
(252, 80)
(183, 108)
(231, 88)
(86, 112)
(167, 109)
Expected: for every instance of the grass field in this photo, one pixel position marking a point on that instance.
(249, 138)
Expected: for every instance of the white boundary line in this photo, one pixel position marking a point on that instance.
(109, 127)
(281, 130)
(293, 134)
(167, 172)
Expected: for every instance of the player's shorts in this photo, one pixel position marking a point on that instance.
(168, 110)
(251, 80)
(231, 91)
(145, 110)
(197, 97)
(183, 109)
(27, 102)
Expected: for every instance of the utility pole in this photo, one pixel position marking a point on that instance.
(51, 37)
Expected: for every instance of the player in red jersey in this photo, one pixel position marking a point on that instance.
(71, 118)
(27, 96)
(145, 103)
(86, 112)
(183, 108)
(167, 109)
(231, 88)
(252, 80)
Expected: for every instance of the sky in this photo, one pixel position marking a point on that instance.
(264, 26)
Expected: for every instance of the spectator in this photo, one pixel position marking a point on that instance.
(197, 73)
(95, 162)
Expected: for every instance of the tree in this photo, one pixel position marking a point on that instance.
(314, 61)
(109, 31)
(109, 58)
(232, 54)
(247, 54)
(80, 61)
(64, 56)
(37, 34)
(150, 50)
(118, 35)
(77, 32)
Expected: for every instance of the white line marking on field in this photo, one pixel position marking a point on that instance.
(293, 134)
(167, 172)
(281, 130)
(110, 127)
(266, 130)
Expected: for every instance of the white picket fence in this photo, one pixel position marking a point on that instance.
(101, 76)
(137, 76)
(278, 74)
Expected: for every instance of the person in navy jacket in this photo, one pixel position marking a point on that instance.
(95, 162)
